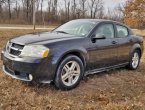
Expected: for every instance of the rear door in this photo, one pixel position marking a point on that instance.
(103, 53)
(124, 43)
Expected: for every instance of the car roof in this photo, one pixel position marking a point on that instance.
(94, 20)
(104, 20)
(101, 20)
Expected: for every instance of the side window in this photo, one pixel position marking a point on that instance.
(122, 31)
(107, 30)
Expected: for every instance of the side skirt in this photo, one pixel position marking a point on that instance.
(105, 69)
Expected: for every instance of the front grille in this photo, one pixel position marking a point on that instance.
(15, 52)
(14, 49)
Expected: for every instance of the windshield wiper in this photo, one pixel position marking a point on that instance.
(62, 32)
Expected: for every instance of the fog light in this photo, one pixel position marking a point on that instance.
(30, 77)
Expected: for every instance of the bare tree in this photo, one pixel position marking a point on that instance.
(67, 9)
(121, 10)
(55, 7)
(95, 7)
(1, 9)
(49, 6)
(59, 11)
(28, 9)
(74, 6)
(91, 7)
(27, 2)
(82, 4)
(34, 12)
(101, 13)
(9, 8)
(17, 9)
(42, 10)
(37, 3)
(98, 7)
(117, 14)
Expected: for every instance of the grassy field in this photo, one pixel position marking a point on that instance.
(139, 32)
(119, 89)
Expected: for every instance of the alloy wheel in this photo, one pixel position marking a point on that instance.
(135, 60)
(70, 73)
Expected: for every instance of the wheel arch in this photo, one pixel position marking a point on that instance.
(79, 54)
(136, 47)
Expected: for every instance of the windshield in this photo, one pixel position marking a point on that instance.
(76, 27)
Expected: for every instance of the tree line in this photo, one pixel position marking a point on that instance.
(59, 11)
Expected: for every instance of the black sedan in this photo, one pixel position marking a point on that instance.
(72, 51)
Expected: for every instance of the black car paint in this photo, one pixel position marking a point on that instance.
(103, 53)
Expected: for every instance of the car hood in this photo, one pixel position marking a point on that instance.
(41, 37)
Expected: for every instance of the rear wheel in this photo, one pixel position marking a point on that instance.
(135, 60)
(69, 73)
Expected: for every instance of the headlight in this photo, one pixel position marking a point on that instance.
(35, 51)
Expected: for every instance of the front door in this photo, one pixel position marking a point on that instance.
(103, 52)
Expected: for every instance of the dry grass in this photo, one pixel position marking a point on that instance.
(139, 32)
(119, 89)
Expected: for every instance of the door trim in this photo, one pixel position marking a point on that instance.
(105, 69)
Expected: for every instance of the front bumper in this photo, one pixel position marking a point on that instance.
(28, 69)
(20, 76)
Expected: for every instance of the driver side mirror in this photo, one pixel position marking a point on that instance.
(97, 36)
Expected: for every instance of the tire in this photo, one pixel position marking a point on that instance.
(135, 57)
(69, 73)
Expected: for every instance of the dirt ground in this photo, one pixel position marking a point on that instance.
(119, 89)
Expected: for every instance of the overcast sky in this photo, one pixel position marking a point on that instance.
(112, 3)
(107, 3)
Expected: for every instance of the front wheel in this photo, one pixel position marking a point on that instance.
(69, 73)
(135, 60)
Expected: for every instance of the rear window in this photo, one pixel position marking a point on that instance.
(122, 31)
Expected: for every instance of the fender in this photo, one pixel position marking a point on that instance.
(57, 57)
